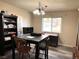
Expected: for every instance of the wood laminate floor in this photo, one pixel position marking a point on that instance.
(60, 52)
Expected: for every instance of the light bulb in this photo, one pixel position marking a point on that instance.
(39, 12)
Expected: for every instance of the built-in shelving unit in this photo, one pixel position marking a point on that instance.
(8, 26)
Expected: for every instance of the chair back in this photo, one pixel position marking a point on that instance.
(44, 44)
(20, 43)
(47, 42)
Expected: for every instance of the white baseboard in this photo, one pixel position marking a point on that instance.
(66, 45)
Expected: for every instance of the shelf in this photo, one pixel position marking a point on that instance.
(9, 28)
(8, 42)
(10, 16)
(9, 34)
(6, 35)
(10, 22)
(8, 47)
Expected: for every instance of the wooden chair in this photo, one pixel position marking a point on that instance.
(76, 49)
(21, 47)
(75, 53)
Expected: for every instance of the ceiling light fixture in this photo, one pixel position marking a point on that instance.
(40, 10)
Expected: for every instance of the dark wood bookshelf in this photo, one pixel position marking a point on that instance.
(6, 31)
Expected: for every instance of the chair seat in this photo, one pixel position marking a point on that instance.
(25, 49)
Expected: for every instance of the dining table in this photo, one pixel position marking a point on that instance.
(31, 39)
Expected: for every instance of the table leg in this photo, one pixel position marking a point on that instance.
(37, 52)
(13, 53)
(13, 48)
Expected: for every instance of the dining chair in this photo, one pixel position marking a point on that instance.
(21, 47)
(44, 47)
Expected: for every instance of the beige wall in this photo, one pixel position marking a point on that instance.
(69, 26)
(24, 17)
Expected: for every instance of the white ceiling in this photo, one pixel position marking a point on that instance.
(53, 5)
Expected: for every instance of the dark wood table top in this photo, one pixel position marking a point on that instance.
(35, 39)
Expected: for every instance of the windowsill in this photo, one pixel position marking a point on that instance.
(51, 33)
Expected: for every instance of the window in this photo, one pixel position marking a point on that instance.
(51, 25)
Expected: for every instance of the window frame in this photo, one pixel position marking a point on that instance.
(51, 24)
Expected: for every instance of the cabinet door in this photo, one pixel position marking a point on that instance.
(53, 40)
